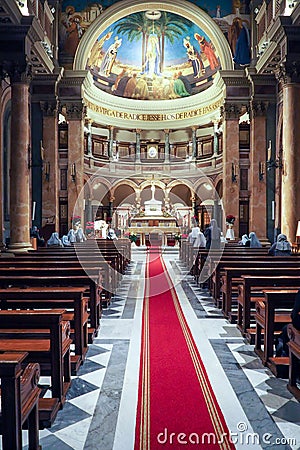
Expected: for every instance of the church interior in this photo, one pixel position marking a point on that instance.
(138, 128)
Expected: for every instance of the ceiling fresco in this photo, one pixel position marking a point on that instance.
(153, 55)
(212, 7)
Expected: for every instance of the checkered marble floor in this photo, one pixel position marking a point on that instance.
(99, 413)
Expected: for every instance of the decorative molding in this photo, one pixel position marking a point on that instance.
(232, 110)
(49, 109)
(16, 72)
(258, 108)
(288, 72)
(75, 110)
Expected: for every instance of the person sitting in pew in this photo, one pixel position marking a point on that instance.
(71, 235)
(35, 233)
(282, 348)
(281, 248)
(54, 241)
(254, 241)
(245, 241)
(65, 241)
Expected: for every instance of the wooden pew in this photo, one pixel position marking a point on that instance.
(294, 361)
(245, 260)
(91, 265)
(235, 273)
(63, 281)
(271, 315)
(55, 297)
(19, 401)
(45, 337)
(250, 290)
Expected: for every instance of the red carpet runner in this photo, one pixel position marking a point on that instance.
(176, 406)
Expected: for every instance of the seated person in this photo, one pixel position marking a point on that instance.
(54, 241)
(79, 234)
(35, 233)
(254, 241)
(245, 241)
(281, 248)
(71, 236)
(65, 241)
(111, 234)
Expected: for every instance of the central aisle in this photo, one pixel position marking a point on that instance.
(176, 402)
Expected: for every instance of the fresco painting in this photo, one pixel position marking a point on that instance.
(162, 54)
(153, 55)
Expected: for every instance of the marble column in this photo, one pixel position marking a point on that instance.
(167, 146)
(231, 177)
(138, 146)
(216, 139)
(258, 187)
(111, 142)
(88, 131)
(50, 183)
(291, 160)
(194, 142)
(75, 117)
(20, 208)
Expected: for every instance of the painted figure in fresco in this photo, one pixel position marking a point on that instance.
(116, 83)
(185, 81)
(152, 56)
(141, 91)
(122, 83)
(179, 87)
(239, 40)
(96, 53)
(194, 57)
(130, 86)
(207, 49)
(74, 32)
(110, 57)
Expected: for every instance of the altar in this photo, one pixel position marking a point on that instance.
(154, 228)
(154, 224)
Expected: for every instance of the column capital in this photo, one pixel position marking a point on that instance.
(138, 130)
(166, 131)
(49, 108)
(17, 72)
(75, 110)
(288, 72)
(232, 110)
(258, 108)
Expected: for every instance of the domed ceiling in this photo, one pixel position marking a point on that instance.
(153, 55)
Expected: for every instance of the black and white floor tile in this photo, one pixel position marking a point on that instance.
(99, 413)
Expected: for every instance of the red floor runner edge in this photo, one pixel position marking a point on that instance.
(176, 404)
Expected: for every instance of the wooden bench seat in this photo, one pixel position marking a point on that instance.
(233, 277)
(250, 290)
(294, 361)
(71, 298)
(92, 289)
(19, 401)
(52, 353)
(272, 314)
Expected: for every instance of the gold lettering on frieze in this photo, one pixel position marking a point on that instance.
(155, 117)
